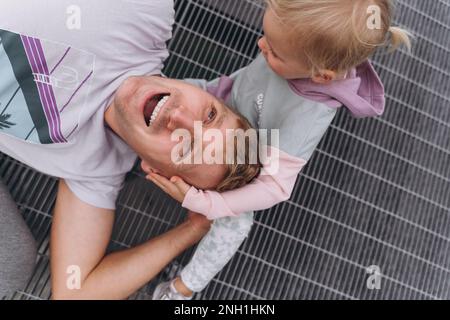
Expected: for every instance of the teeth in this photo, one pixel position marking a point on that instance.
(158, 108)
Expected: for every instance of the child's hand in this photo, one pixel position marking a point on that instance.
(175, 187)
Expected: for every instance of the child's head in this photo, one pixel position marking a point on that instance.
(323, 39)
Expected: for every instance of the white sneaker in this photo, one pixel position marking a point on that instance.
(167, 291)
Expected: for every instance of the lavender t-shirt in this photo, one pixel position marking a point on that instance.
(60, 64)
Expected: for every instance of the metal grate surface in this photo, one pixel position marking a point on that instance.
(376, 192)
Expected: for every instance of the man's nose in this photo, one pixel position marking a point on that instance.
(181, 118)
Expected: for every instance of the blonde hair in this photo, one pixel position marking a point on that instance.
(334, 34)
(238, 175)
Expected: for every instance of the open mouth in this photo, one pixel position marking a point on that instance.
(154, 106)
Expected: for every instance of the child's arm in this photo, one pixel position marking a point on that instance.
(263, 193)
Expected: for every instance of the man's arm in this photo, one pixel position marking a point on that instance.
(79, 238)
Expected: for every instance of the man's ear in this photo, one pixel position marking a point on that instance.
(324, 76)
(147, 168)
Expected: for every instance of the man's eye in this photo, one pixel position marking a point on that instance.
(211, 115)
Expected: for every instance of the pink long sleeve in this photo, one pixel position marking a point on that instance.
(266, 191)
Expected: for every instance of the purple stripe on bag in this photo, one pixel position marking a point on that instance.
(49, 90)
(36, 69)
(35, 51)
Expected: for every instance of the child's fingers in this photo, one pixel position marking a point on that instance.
(161, 183)
(177, 192)
(162, 180)
(182, 186)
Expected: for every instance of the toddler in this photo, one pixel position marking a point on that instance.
(314, 59)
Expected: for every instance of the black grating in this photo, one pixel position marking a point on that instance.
(376, 192)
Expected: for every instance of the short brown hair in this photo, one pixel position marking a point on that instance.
(238, 175)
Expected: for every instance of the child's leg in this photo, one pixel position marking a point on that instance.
(215, 250)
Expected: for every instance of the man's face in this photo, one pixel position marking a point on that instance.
(147, 110)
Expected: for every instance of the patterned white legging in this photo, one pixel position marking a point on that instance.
(215, 250)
